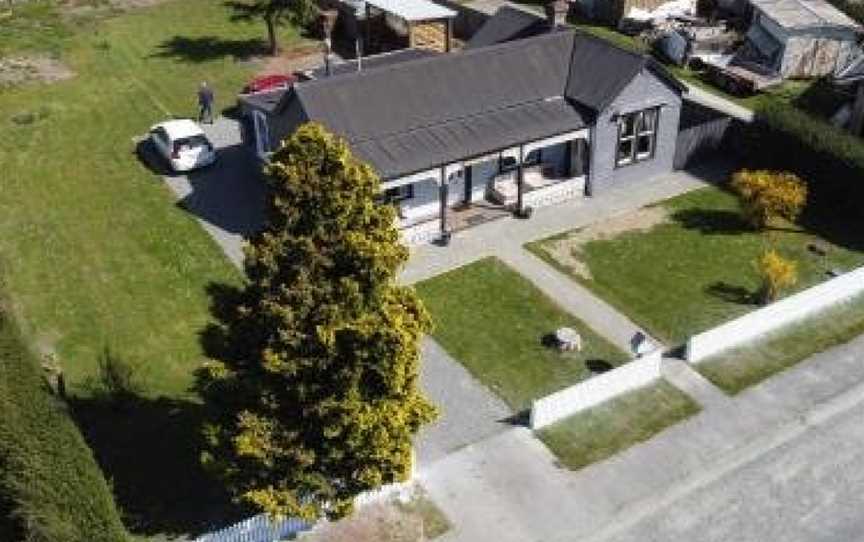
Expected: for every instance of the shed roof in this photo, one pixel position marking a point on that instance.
(800, 14)
(413, 10)
(507, 24)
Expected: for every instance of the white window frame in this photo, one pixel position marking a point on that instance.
(641, 129)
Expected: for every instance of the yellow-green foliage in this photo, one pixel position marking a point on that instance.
(318, 399)
(777, 274)
(768, 195)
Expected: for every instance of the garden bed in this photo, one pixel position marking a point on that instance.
(494, 322)
(688, 263)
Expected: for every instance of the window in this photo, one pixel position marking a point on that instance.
(507, 163)
(400, 193)
(637, 137)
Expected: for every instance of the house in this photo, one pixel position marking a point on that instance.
(802, 38)
(509, 126)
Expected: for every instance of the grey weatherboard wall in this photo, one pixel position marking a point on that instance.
(646, 90)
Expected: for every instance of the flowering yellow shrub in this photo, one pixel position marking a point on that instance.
(768, 195)
(777, 273)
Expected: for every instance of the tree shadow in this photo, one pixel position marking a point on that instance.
(149, 449)
(215, 338)
(711, 221)
(732, 294)
(205, 48)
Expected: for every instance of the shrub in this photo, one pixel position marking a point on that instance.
(51, 489)
(777, 274)
(768, 195)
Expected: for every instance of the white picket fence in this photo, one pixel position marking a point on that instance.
(262, 528)
(783, 312)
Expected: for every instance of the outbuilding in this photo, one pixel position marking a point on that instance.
(802, 39)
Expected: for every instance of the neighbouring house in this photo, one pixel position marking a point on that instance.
(802, 38)
(504, 127)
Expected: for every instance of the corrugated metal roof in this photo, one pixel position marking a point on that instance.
(413, 10)
(799, 14)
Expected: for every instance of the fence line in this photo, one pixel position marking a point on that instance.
(561, 404)
(262, 528)
(775, 315)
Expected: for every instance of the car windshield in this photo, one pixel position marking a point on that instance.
(190, 143)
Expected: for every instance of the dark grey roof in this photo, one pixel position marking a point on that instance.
(442, 143)
(507, 24)
(417, 115)
(265, 101)
(372, 62)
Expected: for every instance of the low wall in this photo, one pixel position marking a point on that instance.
(639, 372)
(775, 315)
(550, 195)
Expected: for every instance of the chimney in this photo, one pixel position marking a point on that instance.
(556, 13)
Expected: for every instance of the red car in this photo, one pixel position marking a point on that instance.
(264, 83)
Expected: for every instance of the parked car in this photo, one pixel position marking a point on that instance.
(264, 83)
(183, 144)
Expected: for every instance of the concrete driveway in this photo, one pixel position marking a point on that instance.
(228, 198)
(468, 411)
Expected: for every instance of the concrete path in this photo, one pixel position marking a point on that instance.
(484, 240)
(573, 297)
(709, 99)
(681, 375)
(228, 198)
(468, 411)
(482, 489)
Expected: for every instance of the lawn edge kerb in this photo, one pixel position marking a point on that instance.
(738, 369)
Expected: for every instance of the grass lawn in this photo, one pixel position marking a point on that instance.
(740, 368)
(94, 254)
(493, 321)
(695, 268)
(614, 426)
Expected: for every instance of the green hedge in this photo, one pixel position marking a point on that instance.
(51, 489)
(828, 158)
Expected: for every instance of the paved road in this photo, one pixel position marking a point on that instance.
(810, 489)
(508, 488)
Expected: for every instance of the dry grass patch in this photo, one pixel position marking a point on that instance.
(18, 70)
(567, 249)
(414, 519)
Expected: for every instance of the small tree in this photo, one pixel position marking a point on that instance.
(768, 195)
(274, 13)
(777, 274)
(318, 399)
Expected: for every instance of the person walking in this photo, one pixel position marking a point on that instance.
(205, 103)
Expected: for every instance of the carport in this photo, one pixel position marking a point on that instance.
(426, 24)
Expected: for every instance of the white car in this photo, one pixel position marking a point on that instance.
(183, 144)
